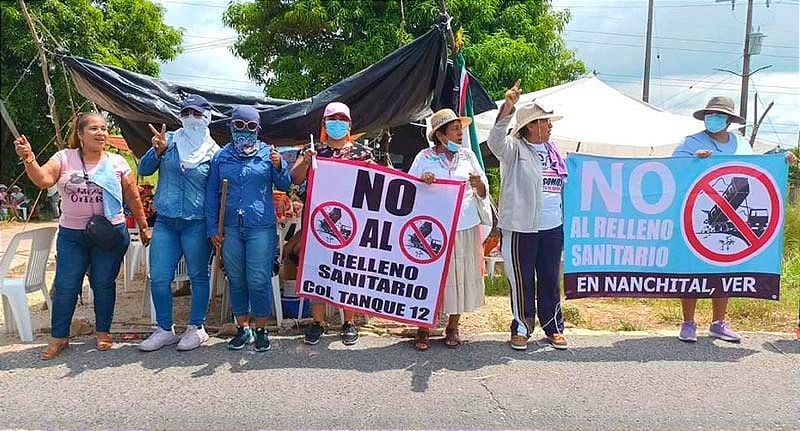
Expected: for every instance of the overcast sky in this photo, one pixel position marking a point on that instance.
(691, 39)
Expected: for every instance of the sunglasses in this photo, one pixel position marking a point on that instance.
(245, 125)
(191, 113)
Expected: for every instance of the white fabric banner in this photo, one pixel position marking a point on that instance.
(378, 241)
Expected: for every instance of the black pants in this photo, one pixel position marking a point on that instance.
(532, 262)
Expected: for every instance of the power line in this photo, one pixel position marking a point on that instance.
(594, 42)
(610, 33)
(641, 6)
(206, 77)
(692, 81)
(217, 6)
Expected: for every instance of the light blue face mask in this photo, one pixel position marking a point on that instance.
(716, 122)
(452, 146)
(337, 129)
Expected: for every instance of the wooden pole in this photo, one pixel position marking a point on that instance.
(647, 51)
(757, 124)
(746, 66)
(45, 73)
(218, 281)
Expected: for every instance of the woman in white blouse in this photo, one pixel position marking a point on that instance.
(447, 159)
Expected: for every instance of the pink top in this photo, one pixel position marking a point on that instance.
(79, 200)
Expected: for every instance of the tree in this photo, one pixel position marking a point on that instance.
(298, 47)
(126, 33)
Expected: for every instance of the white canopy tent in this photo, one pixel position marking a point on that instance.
(600, 120)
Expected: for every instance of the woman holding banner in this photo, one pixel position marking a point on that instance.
(447, 159)
(252, 169)
(717, 116)
(530, 218)
(182, 159)
(335, 143)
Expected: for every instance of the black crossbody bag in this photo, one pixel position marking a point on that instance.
(99, 230)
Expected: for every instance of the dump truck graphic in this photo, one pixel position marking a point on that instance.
(736, 195)
(415, 244)
(329, 231)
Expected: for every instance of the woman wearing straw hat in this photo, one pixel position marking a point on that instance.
(531, 217)
(447, 159)
(714, 139)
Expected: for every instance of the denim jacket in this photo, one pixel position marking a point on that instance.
(180, 193)
(250, 183)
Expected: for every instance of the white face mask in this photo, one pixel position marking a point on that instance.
(193, 124)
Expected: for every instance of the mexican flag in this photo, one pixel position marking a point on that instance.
(465, 108)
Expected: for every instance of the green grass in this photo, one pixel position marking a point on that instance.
(497, 286)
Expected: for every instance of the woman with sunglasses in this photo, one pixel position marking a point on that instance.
(335, 143)
(182, 159)
(252, 169)
(92, 183)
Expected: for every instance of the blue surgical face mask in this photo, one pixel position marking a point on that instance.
(452, 146)
(337, 129)
(244, 142)
(716, 122)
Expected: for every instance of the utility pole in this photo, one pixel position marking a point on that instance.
(746, 65)
(647, 49)
(43, 62)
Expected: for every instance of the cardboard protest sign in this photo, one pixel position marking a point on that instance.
(677, 227)
(378, 241)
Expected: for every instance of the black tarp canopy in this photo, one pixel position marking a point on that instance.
(400, 89)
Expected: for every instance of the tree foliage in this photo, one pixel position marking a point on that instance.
(126, 33)
(298, 47)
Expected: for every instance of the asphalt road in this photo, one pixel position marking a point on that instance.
(603, 382)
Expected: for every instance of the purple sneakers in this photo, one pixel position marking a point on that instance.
(720, 329)
(688, 332)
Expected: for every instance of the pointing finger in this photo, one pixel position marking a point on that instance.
(516, 84)
(152, 129)
(163, 128)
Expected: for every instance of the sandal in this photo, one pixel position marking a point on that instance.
(451, 339)
(421, 340)
(54, 348)
(104, 341)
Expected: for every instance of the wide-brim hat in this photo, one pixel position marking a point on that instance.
(722, 105)
(443, 117)
(532, 112)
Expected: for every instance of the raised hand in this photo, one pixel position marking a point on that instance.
(159, 139)
(23, 149)
(513, 93)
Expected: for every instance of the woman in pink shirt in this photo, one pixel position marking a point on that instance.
(91, 183)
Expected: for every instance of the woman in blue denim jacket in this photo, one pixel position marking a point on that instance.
(182, 159)
(252, 168)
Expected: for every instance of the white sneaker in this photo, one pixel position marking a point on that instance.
(192, 338)
(158, 339)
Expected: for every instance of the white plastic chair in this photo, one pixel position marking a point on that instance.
(14, 291)
(133, 258)
(491, 262)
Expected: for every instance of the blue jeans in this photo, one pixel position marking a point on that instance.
(247, 254)
(173, 238)
(75, 255)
